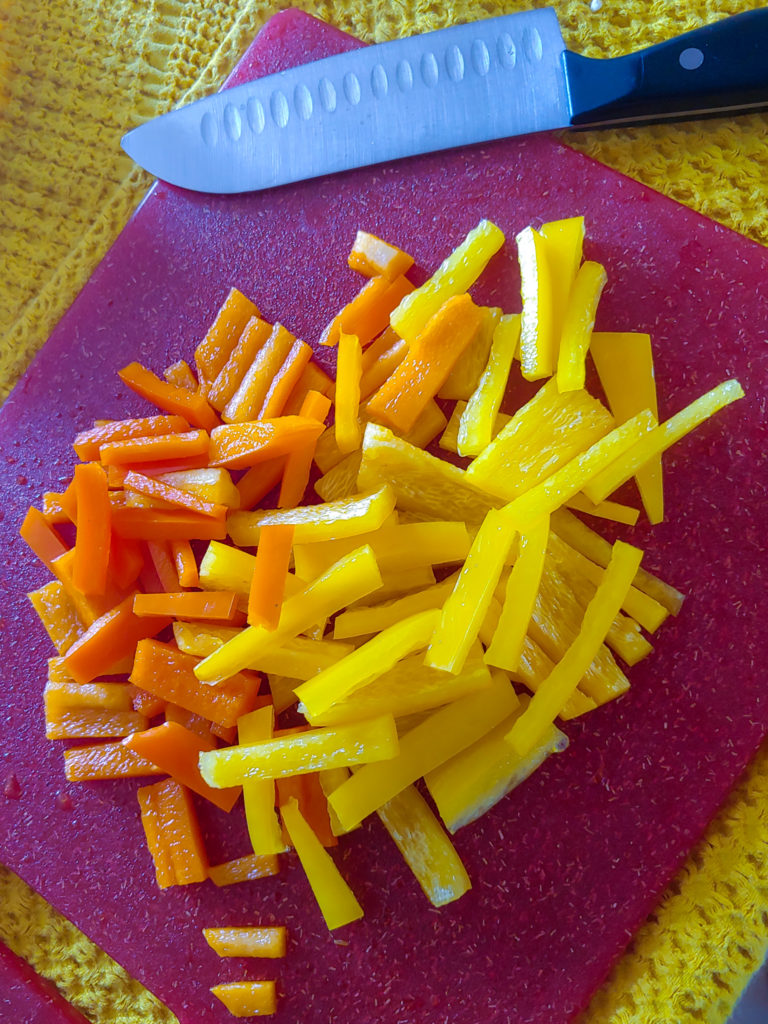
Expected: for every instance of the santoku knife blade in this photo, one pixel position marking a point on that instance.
(466, 84)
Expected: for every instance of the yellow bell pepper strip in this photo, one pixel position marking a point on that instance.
(395, 583)
(270, 570)
(538, 341)
(421, 482)
(259, 794)
(380, 360)
(581, 537)
(479, 417)
(534, 667)
(348, 517)
(543, 435)
(327, 452)
(555, 622)
(468, 368)
(578, 323)
(175, 751)
(624, 364)
(473, 781)
(249, 398)
(336, 900)
(109, 760)
(371, 256)
(455, 275)
(564, 240)
(430, 423)
(425, 847)
(367, 663)
(351, 578)
(531, 727)
(281, 690)
(240, 445)
(449, 439)
(663, 437)
(646, 610)
(612, 510)
(520, 598)
(253, 941)
(402, 398)
(168, 673)
(439, 737)
(347, 396)
(213, 351)
(341, 480)
(396, 548)
(374, 618)
(465, 609)
(248, 998)
(329, 780)
(575, 475)
(108, 640)
(408, 688)
(296, 754)
(57, 614)
(244, 869)
(173, 834)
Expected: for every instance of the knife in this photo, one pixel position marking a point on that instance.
(470, 83)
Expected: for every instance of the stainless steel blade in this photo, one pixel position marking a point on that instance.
(469, 83)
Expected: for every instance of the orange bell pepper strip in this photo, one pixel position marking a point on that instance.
(105, 761)
(53, 509)
(298, 465)
(146, 703)
(368, 313)
(173, 834)
(313, 805)
(88, 443)
(162, 491)
(57, 614)
(380, 360)
(91, 723)
(371, 255)
(180, 375)
(285, 380)
(160, 448)
(154, 524)
(239, 445)
(185, 563)
(404, 395)
(175, 750)
(108, 640)
(206, 606)
(94, 534)
(273, 556)
(248, 998)
(41, 537)
(88, 608)
(126, 560)
(312, 379)
(223, 334)
(193, 406)
(162, 560)
(248, 400)
(244, 869)
(256, 483)
(347, 398)
(167, 672)
(250, 941)
(230, 376)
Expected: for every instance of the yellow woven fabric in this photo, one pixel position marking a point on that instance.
(75, 74)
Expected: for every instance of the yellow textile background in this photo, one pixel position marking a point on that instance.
(75, 74)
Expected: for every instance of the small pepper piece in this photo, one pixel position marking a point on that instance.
(336, 900)
(180, 375)
(253, 941)
(259, 794)
(244, 869)
(248, 998)
(530, 728)
(41, 537)
(57, 614)
(347, 395)
(270, 569)
(88, 443)
(367, 314)
(240, 445)
(176, 496)
(193, 406)
(564, 241)
(222, 336)
(578, 323)
(105, 761)
(538, 341)
(185, 563)
(209, 606)
(481, 412)
(371, 255)
(173, 834)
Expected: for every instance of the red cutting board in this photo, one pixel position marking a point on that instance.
(26, 998)
(566, 868)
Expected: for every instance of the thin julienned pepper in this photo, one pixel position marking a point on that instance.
(88, 443)
(578, 323)
(240, 445)
(371, 255)
(178, 401)
(347, 394)
(264, 941)
(223, 334)
(230, 376)
(248, 400)
(267, 590)
(285, 380)
(248, 998)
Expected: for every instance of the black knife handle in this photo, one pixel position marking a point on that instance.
(719, 68)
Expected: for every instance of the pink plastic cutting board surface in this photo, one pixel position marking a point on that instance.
(26, 998)
(566, 868)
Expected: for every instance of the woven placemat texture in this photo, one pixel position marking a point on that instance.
(76, 74)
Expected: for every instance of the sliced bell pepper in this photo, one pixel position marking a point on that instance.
(368, 313)
(612, 510)
(371, 255)
(57, 614)
(164, 565)
(248, 998)
(270, 570)
(298, 465)
(105, 761)
(229, 378)
(185, 563)
(336, 900)
(341, 480)
(369, 619)
(578, 324)
(156, 488)
(425, 847)
(66, 694)
(208, 606)
(285, 380)
(173, 834)
(467, 370)
(538, 341)
(481, 412)
(157, 448)
(248, 401)
(180, 375)
(564, 241)
(311, 379)
(244, 869)
(402, 398)
(265, 941)
(531, 727)
(223, 334)
(91, 723)
(380, 360)
(347, 395)
(449, 441)
(256, 483)
(455, 275)
(308, 751)
(193, 406)
(259, 794)
(88, 443)
(41, 537)
(240, 445)
(156, 525)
